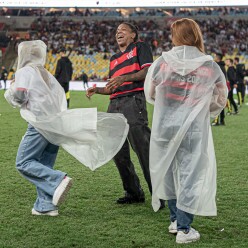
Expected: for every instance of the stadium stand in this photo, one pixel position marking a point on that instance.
(88, 34)
(130, 12)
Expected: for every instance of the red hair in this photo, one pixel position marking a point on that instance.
(187, 32)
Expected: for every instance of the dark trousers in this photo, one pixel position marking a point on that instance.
(134, 109)
(232, 102)
(241, 92)
(65, 86)
(222, 116)
(86, 84)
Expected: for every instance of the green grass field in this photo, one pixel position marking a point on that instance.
(90, 217)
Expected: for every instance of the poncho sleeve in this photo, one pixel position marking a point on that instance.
(151, 82)
(17, 94)
(219, 97)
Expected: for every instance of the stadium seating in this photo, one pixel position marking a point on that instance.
(91, 64)
(92, 40)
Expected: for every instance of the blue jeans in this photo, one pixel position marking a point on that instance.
(35, 160)
(184, 219)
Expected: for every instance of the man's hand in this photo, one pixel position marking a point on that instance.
(90, 92)
(115, 82)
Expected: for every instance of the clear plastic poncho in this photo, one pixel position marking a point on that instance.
(92, 138)
(186, 87)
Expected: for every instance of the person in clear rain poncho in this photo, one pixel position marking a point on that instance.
(186, 87)
(92, 138)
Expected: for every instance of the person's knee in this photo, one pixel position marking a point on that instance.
(21, 165)
(139, 137)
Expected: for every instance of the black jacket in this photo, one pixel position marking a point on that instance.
(4, 74)
(85, 77)
(231, 75)
(222, 67)
(64, 70)
(240, 73)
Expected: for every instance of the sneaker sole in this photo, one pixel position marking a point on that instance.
(62, 197)
(173, 231)
(36, 213)
(186, 242)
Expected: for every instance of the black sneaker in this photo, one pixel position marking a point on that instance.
(130, 200)
(222, 123)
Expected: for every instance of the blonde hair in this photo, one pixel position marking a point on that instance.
(187, 32)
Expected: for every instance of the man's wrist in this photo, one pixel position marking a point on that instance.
(124, 78)
(99, 90)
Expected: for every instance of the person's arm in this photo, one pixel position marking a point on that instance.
(15, 96)
(233, 77)
(145, 59)
(152, 80)
(71, 70)
(98, 90)
(58, 70)
(219, 97)
(115, 82)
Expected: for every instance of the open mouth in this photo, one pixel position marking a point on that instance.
(119, 37)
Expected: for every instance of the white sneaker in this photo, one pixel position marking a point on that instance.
(48, 213)
(61, 191)
(173, 227)
(191, 236)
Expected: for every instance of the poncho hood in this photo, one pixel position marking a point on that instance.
(185, 59)
(31, 53)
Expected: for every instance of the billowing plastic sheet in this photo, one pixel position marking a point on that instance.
(92, 137)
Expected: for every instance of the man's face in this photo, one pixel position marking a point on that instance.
(227, 62)
(216, 58)
(124, 35)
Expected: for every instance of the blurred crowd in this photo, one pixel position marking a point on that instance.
(132, 12)
(86, 37)
(221, 11)
(225, 36)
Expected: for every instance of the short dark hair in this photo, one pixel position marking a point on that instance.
(219, 55)
(62, 50)
(237, 59)
(134, 30)
(231, 60)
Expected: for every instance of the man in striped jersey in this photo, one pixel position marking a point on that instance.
(128, 69)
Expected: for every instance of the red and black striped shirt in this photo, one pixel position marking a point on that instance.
(137, 56)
